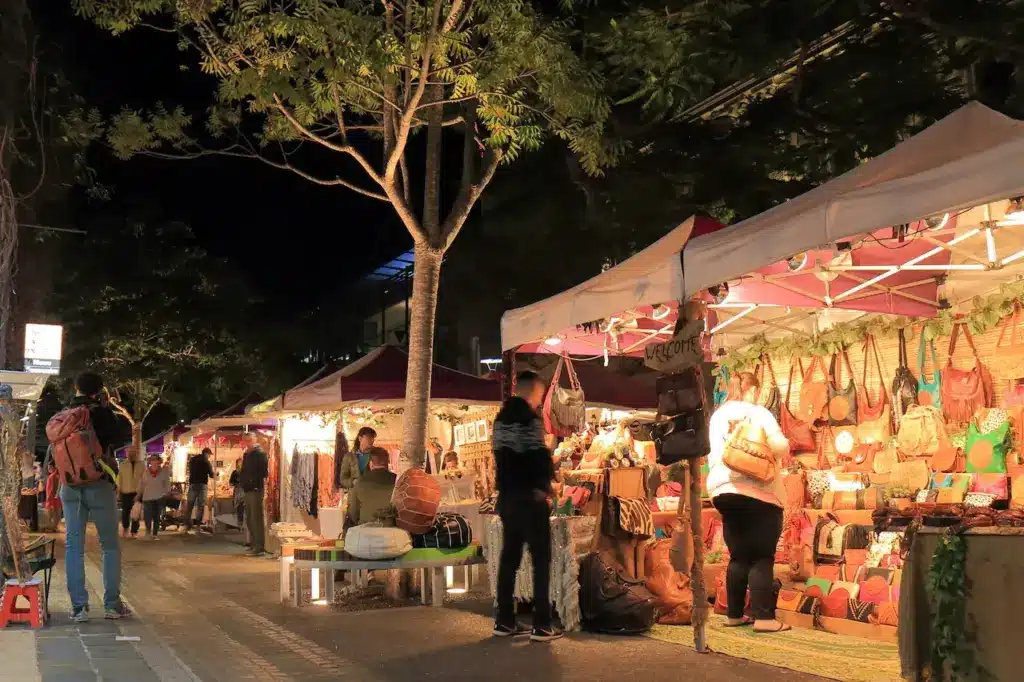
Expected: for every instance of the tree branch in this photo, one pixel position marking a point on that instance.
(921, 16)
(468, 195)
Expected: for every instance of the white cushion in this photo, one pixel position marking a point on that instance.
(375, 543)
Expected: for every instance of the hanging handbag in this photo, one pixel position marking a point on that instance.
(721, 385)
(801, 438)
(684, 436)
(904, 384)
(988, 443)
(565, 411)
(813, 394)
(747, 452)
(928, 392)
(678, 393)
(875, 424)
(1012, 347)
(964, 391)
(842, 402)
(769, 395)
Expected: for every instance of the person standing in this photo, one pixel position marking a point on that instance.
(154, 487)
(94, 501)
(751, 509)
(523, 474)
(253, 479)
(237, 495)
(354, 464)
(128, 489)
(200, 471)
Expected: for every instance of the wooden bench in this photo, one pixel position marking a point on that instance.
(292, 571)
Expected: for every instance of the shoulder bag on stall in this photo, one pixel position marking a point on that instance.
(801, 438)
(565, 411)
(813, 394)
(678, 393)
(769, 396)
(904, 384)
(875, 423)
(1012, 346)
(721, 385)
(964, 391)
(747, 452)
(928, 392)
(842, 402)
(684, 436)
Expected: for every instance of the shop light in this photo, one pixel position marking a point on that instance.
(990, 244)
(320, 602)
(936, 222)
(314, 578)
(456, 590)
(661, 311)
(552, 341)
(605, 357)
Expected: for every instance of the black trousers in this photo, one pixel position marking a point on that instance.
(127, 501)
(751, 529)
(525, 522)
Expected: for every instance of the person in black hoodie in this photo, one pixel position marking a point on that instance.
(523, 474)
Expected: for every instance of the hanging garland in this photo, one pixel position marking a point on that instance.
(326, 418)
(948, 605)
(987, 312)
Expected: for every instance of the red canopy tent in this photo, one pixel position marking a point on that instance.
(380, 377)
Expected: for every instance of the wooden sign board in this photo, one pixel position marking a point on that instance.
(681, 353)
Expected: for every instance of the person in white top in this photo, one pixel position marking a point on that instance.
(751, 509)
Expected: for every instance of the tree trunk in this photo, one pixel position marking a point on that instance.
(425, 280)
(137, 440)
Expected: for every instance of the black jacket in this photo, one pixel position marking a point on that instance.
(200, 471)
(104, 423)
(522, 461)
(255, 470)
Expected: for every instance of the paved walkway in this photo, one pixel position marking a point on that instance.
(206, 612)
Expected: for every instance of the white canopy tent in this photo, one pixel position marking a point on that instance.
(971, 157)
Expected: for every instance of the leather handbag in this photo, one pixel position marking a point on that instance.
(678, 393)
(860, 611)
(829, 572)
(929, 393)
(875, 421)
(788, 600)
(1010, 347)
(828, 540)
(565, 410)
(991, 484)
(684, 436)
(841, 409)
(904, 384)
(922, 432)
(642, 430)
(769, 396)
(747, 452)
(809, 605)
(821, 583)
(721, 390)
(795, 484)
(670, 588)
(801, 438)
(862, 459)
(887, 613)
(856, 556)
(852, 589)
(964, 391)
(813, 394)
(834, 604)
(875, 590)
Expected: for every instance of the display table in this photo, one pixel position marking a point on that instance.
(571, 538)
(994, 583)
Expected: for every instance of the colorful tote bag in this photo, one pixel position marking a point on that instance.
(986, 452)
(928, 392)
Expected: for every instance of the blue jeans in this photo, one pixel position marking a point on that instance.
(96, 502)
(195, 502)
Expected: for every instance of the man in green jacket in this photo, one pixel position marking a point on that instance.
(372, 491)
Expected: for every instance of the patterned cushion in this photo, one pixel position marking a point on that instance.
(450, 531)
(416, 499)
(875, 590)
(375, 543)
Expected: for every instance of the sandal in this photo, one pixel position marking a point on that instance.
(781, 627)
(747, 620)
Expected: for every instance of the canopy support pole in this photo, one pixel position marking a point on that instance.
(700, 599)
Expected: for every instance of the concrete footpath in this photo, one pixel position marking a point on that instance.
(206, 612)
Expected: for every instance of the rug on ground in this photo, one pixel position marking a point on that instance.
(839, 657)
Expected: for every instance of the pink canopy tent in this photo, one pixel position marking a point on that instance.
(380, 377)
(878, 239)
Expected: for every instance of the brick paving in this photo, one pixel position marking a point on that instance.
(206, 612)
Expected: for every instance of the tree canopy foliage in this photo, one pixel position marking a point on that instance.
(144, 305)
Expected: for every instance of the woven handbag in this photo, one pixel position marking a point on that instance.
(929, 393)
(565, 409)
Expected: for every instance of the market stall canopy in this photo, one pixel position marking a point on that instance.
(23, 385)
(236, 416)
(607, 388)
(276, 403)
(967, 159)
(380, 378)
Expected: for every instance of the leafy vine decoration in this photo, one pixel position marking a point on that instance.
(948, 604)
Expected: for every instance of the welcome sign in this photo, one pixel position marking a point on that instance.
(681, 352)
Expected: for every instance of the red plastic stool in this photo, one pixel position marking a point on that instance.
(9, 611)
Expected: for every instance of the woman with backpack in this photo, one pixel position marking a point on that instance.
(745, 486)
(154, 487)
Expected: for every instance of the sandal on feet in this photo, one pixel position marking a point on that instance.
(746, 620)
(778, 627)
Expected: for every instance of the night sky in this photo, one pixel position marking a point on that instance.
(298, 244)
